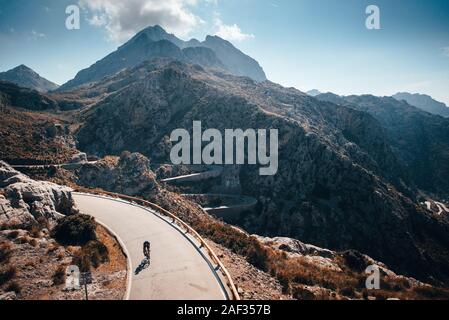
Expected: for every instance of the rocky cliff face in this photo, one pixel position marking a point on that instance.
(130, 174)
(339, 185)
(27, 78)
(25, 202)
(235, 61)
(419, 139)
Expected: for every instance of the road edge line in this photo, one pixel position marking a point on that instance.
(127, 294)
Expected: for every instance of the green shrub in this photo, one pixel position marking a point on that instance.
(14, 286)
(96, 252)
(59, 276)
(432, 293)
(75, 230)
(13, 235)
(82, 261)
(93, 254)
(5, 253)
(347, 292)
(258, 256)
(7, 274)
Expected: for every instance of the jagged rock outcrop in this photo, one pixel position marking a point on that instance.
(130, 174)
(25, 202)
(297, 247)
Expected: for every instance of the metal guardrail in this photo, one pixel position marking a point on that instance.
(179, 222)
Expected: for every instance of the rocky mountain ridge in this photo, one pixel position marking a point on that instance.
(424, 102)
(27, 78)
(154, 42)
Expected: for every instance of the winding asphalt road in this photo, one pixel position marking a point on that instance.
(179, 270)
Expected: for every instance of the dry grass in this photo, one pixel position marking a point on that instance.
(5, 252)
(116, 258)
(53, 248)
(35, 232)
(28, 240)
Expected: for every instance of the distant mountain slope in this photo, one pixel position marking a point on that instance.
(313, 92)
(235, 61)
(419, 139)
(27, 78)
(33, 138)
(154, 42)
(424, 102)
(15, 96)
(335, 186)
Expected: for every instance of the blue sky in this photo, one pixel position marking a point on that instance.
(306, 44)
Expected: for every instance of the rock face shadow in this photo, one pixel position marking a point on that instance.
(145, 264)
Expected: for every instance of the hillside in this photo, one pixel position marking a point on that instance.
(419, 139)
(338, 181)
(27, 78)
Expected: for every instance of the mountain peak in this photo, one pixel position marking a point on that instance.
(23, 67)
(157, 33)
(314, 92)
(217, 39)
(26, 77)
(424, 102)
(154, 42)
(156, 29)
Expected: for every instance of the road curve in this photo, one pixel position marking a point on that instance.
(179, 270)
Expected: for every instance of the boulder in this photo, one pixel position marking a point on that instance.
(79, 158)
(9, 296)
(24, 202)
(297, 247)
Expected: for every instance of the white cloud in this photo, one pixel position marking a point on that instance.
(122, 19)
(98, 20)
(230, 32)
